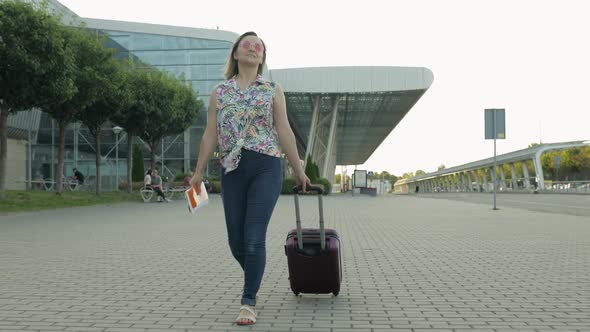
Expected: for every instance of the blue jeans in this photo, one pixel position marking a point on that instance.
(249, 195)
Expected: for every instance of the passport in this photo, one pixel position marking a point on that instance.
(196, 199)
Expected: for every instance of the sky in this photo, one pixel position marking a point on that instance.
(528, 57)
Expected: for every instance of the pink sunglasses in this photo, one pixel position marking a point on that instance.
(258, 47)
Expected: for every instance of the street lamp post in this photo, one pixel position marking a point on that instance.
(117, 130)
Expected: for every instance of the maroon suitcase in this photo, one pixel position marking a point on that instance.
(313, 255)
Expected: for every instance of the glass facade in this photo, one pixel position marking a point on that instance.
(80, 152)
(196, 61)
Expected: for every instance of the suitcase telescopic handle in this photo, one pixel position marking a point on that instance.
(319, 190)
(314, 188)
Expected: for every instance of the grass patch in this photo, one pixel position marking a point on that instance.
(20, 200)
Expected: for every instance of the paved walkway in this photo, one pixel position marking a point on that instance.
(572, 204)
(410, 264)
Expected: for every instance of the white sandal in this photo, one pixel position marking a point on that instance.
(250, 315)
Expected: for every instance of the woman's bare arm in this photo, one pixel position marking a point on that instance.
(286, 136)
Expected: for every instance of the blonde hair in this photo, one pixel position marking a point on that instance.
(231, 65)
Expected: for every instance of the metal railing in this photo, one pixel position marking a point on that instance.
(577, 186)
(574, 186)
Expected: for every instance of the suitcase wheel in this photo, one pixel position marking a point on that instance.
(335, 293)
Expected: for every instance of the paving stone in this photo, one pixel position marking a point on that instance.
(409, 264)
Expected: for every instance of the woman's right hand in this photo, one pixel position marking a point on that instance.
(196, 182)
(302, 180)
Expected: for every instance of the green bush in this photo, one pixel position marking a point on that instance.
(316, 171)
(215, 187)
(138, 185)
(138, 171)
(288, 185)
(326, 184)
(311, 170)
(212, 178)
(180, 177)
(135, 187)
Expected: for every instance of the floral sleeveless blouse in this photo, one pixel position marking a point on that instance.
(245, 120)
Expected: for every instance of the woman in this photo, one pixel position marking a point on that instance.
(147, 179)
(248, 118)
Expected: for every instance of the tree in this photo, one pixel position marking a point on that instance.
(188, 103)
(392, 178)
(441, 167)
(159, 105)
(420, 172)
(386, 176)
(110, 98)
(573, 163)
(138, 170)
(171, 108)
(407, 175)
(582, 158)
(132, 116)
(35, 68)
(88, 56)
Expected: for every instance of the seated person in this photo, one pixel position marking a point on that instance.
(147, 179)
(157, 186)
(187, 181)
(78, 176)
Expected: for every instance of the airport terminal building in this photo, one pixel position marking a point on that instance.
(339, 115)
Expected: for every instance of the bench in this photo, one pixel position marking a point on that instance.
(49, 183)
(171, 191)
(147, 193)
